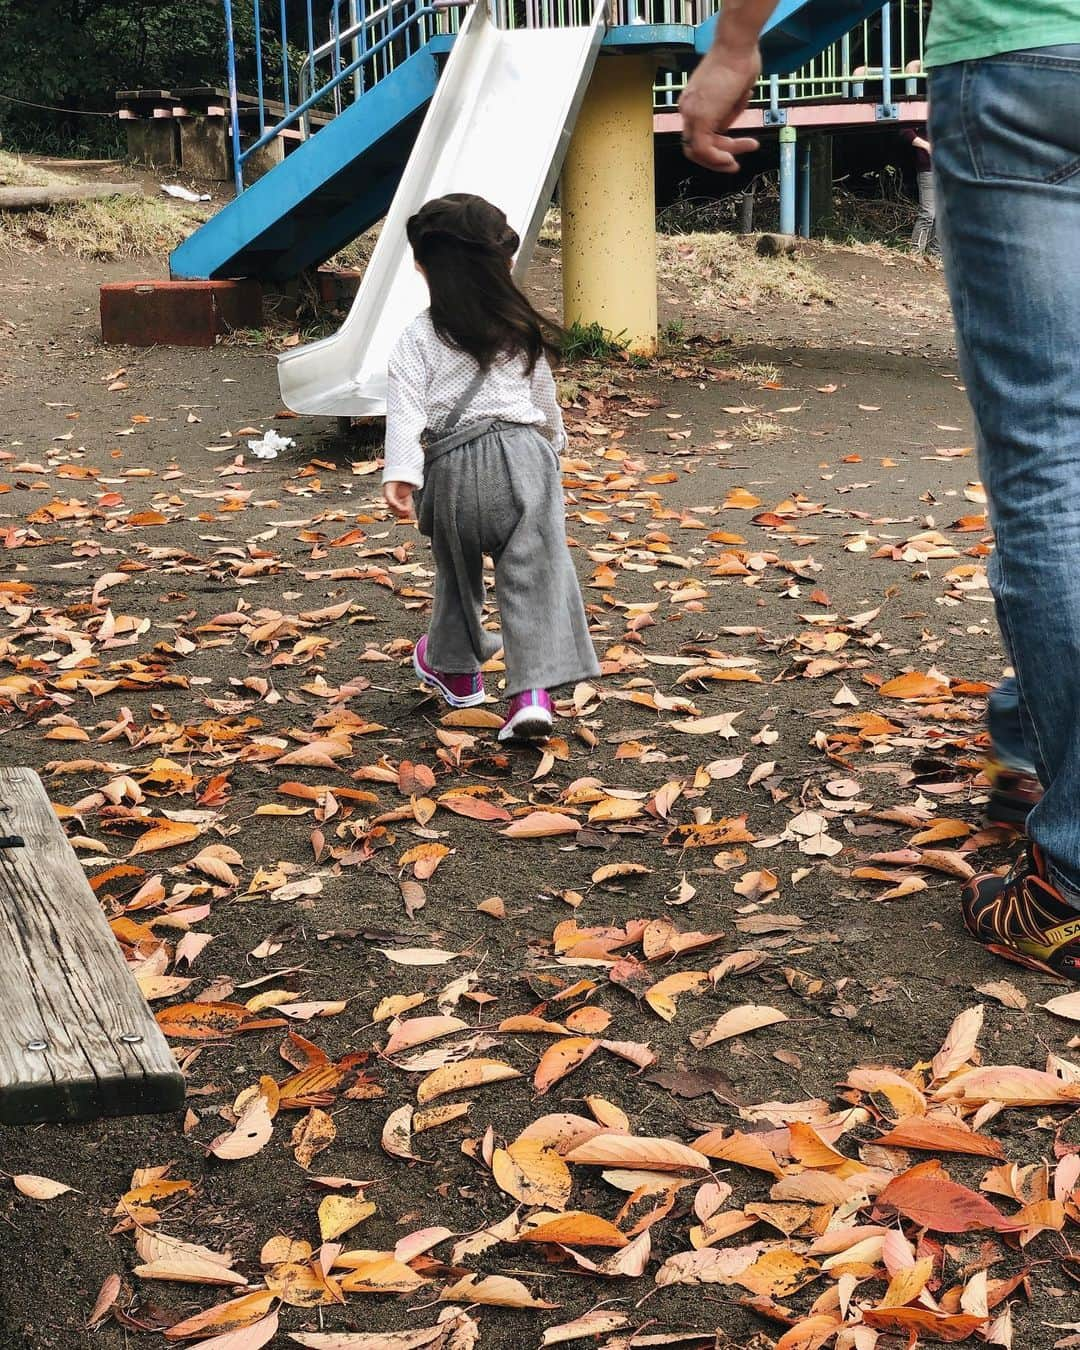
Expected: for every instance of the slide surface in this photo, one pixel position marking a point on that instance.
(498, 125)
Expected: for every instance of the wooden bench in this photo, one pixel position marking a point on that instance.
(77, 1039)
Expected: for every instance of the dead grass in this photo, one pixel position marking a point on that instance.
(760, 372)
(551, 227)
(105, 229)
(16, 172)
(358, 253)
(760, 429)
(725, 269)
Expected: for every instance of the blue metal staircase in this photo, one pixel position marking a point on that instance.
(383, 68)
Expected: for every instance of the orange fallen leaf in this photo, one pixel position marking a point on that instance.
(378, 1273)
(532, 1171)
(928, 1196)
(638, 1152)
(237, 1312)
(577, 1229)
(937, 1326)
(589, 1021)
(469, 1073)
(562, 1058)
(495, 1290)
(915, 685)
(940, 1136)
(201, 1021)
(164, 833)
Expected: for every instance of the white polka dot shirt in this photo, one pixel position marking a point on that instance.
(426, 378)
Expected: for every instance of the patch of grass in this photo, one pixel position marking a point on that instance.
(674, 332)
(16, 172)
(357, 254)
(760, 429)
(249, 337)
(591, 342)
(567, 391)
(725, 269)
(104, 228)
(760, 372)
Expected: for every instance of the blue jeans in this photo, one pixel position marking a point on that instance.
(1007, 735)
(1006, 137)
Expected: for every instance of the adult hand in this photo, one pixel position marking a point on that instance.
(398, 497)
(717, 92)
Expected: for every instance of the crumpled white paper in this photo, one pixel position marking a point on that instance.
(185, 194)
(270, 445)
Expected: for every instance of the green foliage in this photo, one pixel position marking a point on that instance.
(591, 342)
(75, 54)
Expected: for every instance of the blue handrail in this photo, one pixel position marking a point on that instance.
(294, 114)
(367, 39)
(234, 107)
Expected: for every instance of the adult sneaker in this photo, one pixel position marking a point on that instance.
(530, 717)
(1023, 917)
(460, 691)
(1014, 794)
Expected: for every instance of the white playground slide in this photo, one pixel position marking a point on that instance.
(499, 125)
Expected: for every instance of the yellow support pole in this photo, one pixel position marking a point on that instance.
(608, 202)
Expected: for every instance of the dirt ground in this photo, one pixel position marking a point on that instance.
(789, 495)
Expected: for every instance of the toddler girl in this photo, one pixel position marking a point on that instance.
(473, 429)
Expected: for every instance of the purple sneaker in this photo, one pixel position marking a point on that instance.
(530, 717)
(460, 691)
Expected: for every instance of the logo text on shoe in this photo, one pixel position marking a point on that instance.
(1063, 932)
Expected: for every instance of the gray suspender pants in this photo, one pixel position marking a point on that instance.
(495, 487)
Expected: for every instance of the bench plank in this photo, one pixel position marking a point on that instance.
(64, 984)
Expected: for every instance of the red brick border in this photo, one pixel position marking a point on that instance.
(177, 313)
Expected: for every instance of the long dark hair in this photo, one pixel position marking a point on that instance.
(466, 246)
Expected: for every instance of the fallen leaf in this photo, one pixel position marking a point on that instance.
(532, 1171)
(236, 1313)
(469, 1073)
(495, 1290)
(418, 956)
(251, 1133)
(608, 1149)
(929, 1197)
(312, 1135)
(737, 1022)
(576, 1229)
(541, 825)
(340, 1213)
(562, 1058)
(38, 1188)
(939, 1136)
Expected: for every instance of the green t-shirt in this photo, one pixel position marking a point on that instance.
(964, 30)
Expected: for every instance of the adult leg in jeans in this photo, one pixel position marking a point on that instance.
(1010, 766)
(1006, 134)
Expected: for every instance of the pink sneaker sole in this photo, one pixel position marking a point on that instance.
(527, 724)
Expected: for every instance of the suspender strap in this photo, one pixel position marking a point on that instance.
(467, 396)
